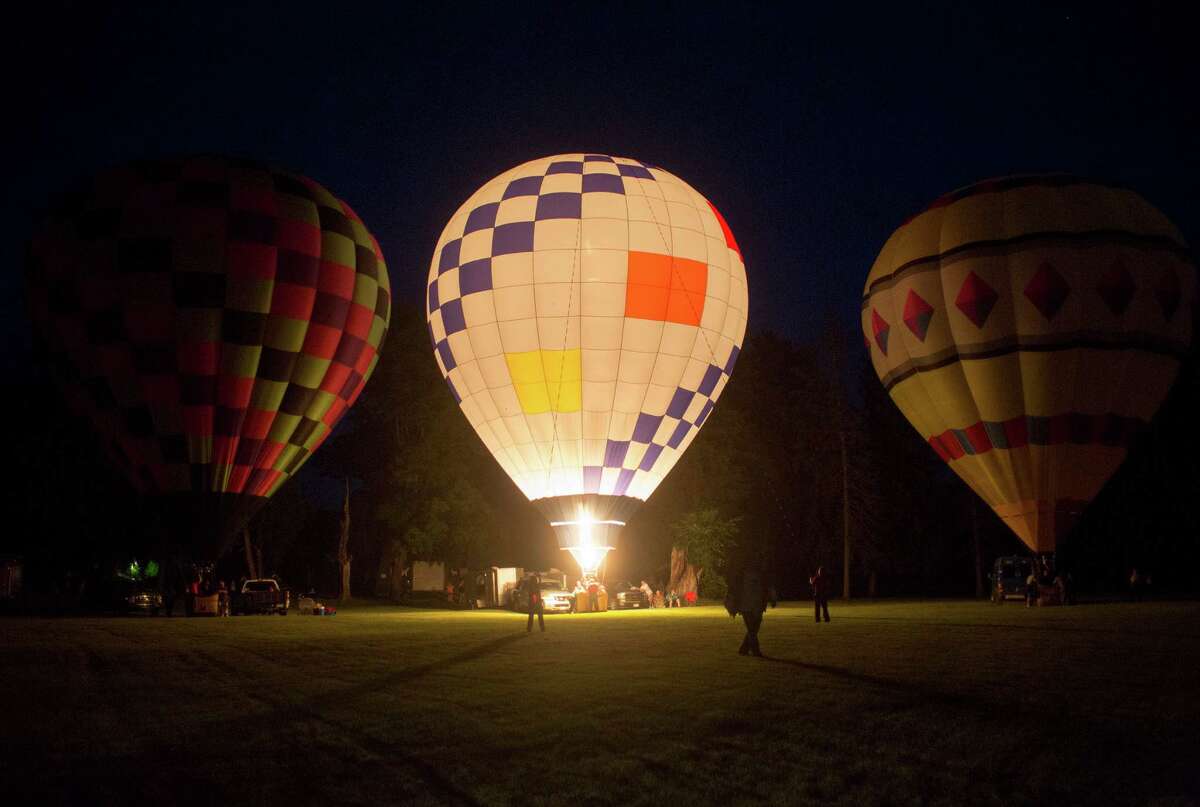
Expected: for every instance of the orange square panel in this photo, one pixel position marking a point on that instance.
(665, 289)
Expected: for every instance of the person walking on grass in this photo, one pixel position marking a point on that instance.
(535, 605)
(820, 587)
(749, 593)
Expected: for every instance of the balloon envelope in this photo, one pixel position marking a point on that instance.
(586, 312)
(1028, 327)
(214, 319)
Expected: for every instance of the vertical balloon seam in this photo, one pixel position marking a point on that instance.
(254, 480)
(525, 416)
(261, 346)
(1027, 450)
(515, 457)
(382, 282)
(495, 426)
(923, 385)
(532, 470)
(498, 428)
(556, 400)
(670, 250)
(608, 428)
(506, 447)
(699, 333)
(1125, 357)
(1009, 468)
(676, 273)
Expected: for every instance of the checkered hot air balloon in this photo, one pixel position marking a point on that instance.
(1028, 328)
(586, 312)
(214, 319)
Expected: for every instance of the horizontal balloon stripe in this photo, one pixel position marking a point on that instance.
(1070, 427)
(1079, 340)
(1003, 184)
(1022, 243)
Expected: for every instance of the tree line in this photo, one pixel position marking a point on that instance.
(805, 459)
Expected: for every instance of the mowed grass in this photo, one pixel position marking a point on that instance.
(891, 703)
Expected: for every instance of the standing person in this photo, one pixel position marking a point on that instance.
(1031, 589)
(535, 605)
(820, 587)
(576, 594)
(593, 592)
(648, 592)
(748, 595)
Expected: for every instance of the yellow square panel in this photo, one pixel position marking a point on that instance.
(547, 380)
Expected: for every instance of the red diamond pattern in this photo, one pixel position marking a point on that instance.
(917, 314)
(1116, 287)
(1168, 292)
(976, 299)
(881, 328)
(1047, 290)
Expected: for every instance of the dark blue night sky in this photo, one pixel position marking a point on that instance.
(815, 133)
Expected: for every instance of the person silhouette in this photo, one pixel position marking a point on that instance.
(820, 587)
(535, 604)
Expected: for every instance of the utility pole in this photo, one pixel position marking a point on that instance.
(845, 518)
(344, 557)
(978, 551)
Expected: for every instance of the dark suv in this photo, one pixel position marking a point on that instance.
(1008, 578)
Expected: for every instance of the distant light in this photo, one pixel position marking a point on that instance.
(589, 558)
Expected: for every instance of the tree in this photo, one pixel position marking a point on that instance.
(701, 540)
(429, 489)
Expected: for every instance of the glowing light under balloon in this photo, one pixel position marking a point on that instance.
(591, 539)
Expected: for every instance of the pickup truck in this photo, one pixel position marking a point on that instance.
(262, 597)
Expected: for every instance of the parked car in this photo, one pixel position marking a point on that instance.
(555, 598)
(123, 596)
(625, 596)
(1008, 578)
(262, 597)
(139, 599)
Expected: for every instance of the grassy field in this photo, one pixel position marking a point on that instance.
(891, 703)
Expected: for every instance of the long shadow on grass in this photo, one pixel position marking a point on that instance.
(1122, 751)
(921, 695)
(314, 709)
(1128, 629)
(408, 674)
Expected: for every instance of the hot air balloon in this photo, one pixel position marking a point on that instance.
(214, 319)
(1028, 328)
(586, 312)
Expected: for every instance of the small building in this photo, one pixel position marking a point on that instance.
(428, 576)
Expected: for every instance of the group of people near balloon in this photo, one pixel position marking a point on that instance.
(1046, 586)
